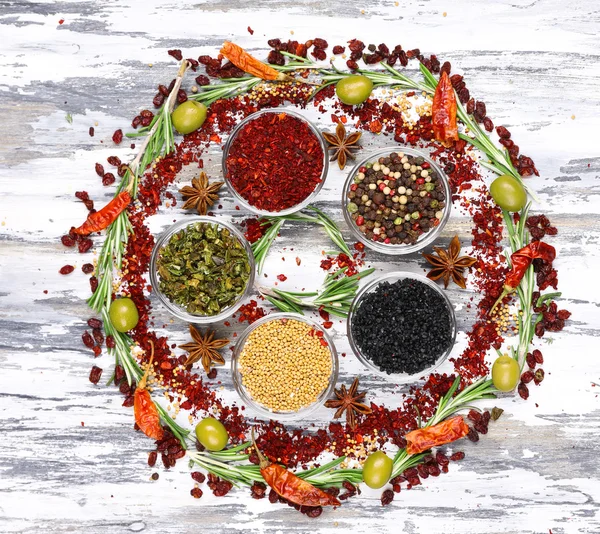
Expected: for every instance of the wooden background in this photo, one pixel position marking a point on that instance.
(69, 460)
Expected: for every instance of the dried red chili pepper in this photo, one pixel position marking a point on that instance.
(443, 112)
(241, 59)
(521, 260)
(101, 219)
(144, 409)
(291, 487)
(447, 431)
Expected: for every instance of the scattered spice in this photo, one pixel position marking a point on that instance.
(204, 268)
(449, 264)
(349, 401)
(204, 348)
(275, 161)
(342, 145)
(200, 195)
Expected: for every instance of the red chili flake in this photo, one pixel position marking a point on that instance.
(250, 30)
(176, 53)
(327, 325)
(281, 277)
(66, 269)
(97, 351)
(375, 126)
(91, 131)
(95, 374)
(269, 154)
(117, 137)
(61, 21)
(87, 268)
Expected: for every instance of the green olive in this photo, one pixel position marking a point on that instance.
(508, 193)
(189, 116)
(377, 470)
(123, 314)
(212, 434)
(354, 89)
(505, 373)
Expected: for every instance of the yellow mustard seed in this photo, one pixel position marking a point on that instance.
(283, 366)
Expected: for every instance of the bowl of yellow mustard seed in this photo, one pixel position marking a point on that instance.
(284, 366)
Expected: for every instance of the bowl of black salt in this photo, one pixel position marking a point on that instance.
(403, 325)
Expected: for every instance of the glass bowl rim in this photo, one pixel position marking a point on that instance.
(177, 310)
(245, 396)
(397, 250)
(399, 378)
(309, 198)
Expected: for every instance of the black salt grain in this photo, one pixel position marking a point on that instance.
(403, 327)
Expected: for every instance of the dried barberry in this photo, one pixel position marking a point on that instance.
(176, 53)
(117, 137)
(66, 269)
(95, 374)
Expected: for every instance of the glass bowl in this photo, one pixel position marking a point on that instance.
(424, 239)
(310, 197)
(179, 311)
(260, 408)
(400, 378)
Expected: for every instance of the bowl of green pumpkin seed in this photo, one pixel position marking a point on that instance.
(202, 269)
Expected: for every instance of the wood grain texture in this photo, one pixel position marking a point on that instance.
(70, 461)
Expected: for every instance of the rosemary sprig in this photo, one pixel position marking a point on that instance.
(159, 141)
(334, 297)
(133, 373)
(261, 247)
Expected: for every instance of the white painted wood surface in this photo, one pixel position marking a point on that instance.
(70, 461)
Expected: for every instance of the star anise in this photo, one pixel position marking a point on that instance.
(200, 195)
(342, 145)
(448, 264)
(204, 348)
(349, 401)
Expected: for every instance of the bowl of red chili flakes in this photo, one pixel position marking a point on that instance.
(275, 162)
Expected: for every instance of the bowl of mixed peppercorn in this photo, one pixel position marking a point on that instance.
(402, 324)
(396, 200)
(275, 162)
(284, 366)
(201, 269)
